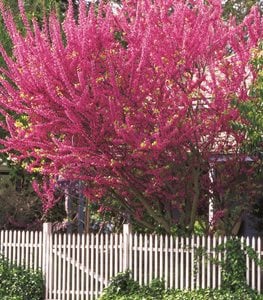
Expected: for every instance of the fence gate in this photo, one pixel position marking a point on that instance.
(78, 267)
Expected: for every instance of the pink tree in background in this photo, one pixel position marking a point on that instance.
(136, 103)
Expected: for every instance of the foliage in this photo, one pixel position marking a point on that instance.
(23, 210)
(12, 298)
(251, 123)
(234, 267)
(18, 283)
(232, 263)
(219, 294)
(122, 287)
(140, 124)
(252, 111)
(192, 295)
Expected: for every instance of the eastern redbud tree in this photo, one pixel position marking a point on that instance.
(136, 102)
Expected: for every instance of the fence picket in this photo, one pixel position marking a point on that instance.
(55, 271)
(88, 241)
(219, 277)
(166, 251)
(150, 257)
(253, 269)
(181, 263)
(120, 253)
(161, 257)
(130, 250)
(107, 259)
(192, 245)
(59, 266)
(247, 263)
(258, 268)
(203, 272)
(82, 259)
(19, 247)
(213, 264)
(111, 255)
(26, 248)
(171, 275)
(64, 262)
(78, 247)
(176, 262)
(145, 265)
(156, 257)
(116, 254)
(14, 256)
(40, 248)
(101, 262)
(9, 244)
(91, 266)
(31, 252)
(23, 248)
(97, 265)
(2, 241)
(135, 266)
(197, 262)
(68, 266)
(208, 265)
(6, 243)
(187, 266)
(140, 259)
(73, 271)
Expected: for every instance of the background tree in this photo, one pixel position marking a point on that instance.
(20, 209)
(136, 114)
(252, 125)
(239, 9)
(252, 111)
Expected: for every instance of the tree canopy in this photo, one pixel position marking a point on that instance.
(136, 102)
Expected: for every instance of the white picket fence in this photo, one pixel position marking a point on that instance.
(78, 267)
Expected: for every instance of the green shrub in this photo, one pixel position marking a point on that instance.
(12, 298)
(234, 266)
(18, 283)
(122, 287)
(209, 294)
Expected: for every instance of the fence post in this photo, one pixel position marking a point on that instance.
(127, 230)
(47, 234)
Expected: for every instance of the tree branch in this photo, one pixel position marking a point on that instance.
(157, 217)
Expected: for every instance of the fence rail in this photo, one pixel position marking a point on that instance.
(78, 267)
